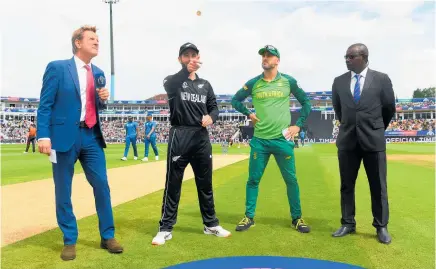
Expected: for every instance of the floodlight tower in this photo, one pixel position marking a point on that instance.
(111, 2)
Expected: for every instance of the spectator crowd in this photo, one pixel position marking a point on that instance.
(412, 125)
(16, 129)
(114, 130)
(400, 125)
(218, 132)
(410, 105)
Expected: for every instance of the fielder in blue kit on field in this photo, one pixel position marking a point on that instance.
(150, 138)
(302, 137)
(131, 128)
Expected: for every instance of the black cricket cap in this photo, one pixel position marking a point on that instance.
(186, 46)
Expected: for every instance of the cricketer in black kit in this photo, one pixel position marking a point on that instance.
(193, 107)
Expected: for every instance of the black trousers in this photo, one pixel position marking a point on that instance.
(31, 140)
(376, 171)
(188, 145)
(296, 143)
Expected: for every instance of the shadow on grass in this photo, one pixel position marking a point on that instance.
(95, 244)
(54, 245)
(317, 224)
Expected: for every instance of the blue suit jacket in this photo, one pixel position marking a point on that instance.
(60, 106)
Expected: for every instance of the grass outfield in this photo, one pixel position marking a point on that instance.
(38, 167)
(411, 190)
(17, 167)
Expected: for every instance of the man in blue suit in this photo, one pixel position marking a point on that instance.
(69, 129)
(150, 138)
(131, 135)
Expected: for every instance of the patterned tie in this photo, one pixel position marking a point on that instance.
(90, 115)
(357, 89)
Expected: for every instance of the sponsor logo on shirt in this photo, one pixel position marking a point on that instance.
(269, 94)
(193, 97)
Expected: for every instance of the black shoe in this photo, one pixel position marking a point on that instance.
(344, 230)
(244, 224)
(300, 225)
(383, 235)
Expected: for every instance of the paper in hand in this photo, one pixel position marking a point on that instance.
(52, 157)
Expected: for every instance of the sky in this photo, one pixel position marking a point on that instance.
(312, 38)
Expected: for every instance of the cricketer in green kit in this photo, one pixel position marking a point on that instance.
(273, 134)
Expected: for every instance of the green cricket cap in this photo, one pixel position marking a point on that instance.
(271, 49)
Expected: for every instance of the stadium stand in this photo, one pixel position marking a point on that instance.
(414, 120)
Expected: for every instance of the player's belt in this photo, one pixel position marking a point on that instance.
(83, 124)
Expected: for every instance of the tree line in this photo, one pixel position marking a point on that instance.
(424, 93)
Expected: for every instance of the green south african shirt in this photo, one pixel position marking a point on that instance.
(271, 102)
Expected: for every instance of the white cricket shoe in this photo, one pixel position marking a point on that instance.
(161, 237)
(217, 230)
(145, 159)
(156, 158)
(135, 158)
(124, 159)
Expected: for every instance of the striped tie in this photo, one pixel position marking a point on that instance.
(357, 89)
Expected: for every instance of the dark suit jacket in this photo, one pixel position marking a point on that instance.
(365, 122)
(60, 105)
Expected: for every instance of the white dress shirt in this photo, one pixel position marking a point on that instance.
(361, 81)
(81, 72)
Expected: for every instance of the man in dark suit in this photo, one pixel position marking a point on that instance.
(69, 129)
(364, 103)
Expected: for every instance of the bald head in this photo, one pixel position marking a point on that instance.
(356, 57)
(361, 49)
